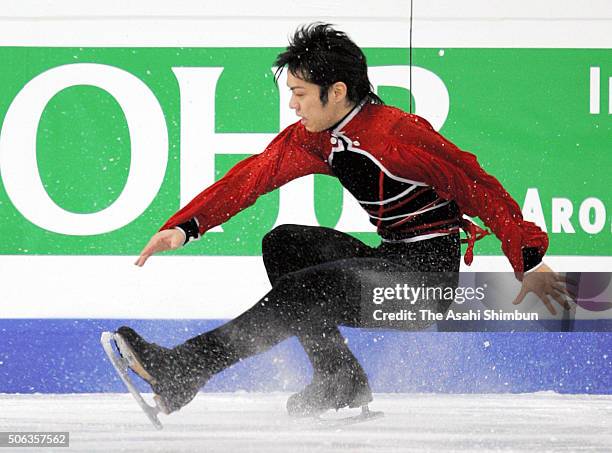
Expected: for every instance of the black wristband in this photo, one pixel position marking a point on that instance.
(191, 230)
(531, 258)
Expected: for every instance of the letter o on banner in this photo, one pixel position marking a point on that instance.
(599, 209)
(149, 153)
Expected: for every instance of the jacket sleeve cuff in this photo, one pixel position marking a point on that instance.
(191, 230)
(531, 259)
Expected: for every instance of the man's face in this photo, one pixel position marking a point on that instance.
(307, 104)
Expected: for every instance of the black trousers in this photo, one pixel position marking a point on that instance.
(317, 276)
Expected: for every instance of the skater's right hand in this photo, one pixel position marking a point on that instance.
(160, 242)
(546, 283)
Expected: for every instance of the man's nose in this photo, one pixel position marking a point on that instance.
(292, 104)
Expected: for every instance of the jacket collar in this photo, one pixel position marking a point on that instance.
(348, 117)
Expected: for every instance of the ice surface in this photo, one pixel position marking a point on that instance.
(256, 422)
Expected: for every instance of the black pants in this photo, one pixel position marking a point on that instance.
(317, 276)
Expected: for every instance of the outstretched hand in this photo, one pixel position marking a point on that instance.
(160, 242)
(544, 282)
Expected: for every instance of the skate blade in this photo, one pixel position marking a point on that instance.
(121, 367)
(366, 415)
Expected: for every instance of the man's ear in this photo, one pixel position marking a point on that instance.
(338, 92)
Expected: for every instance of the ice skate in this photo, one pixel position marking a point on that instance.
(347, 387)
(109, 343)
(169, 373)
(174, 380)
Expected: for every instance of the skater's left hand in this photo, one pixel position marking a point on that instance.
(545, 282)
(160, 242)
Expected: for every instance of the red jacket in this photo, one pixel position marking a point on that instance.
(404, 148)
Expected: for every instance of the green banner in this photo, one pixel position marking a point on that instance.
(540, 120)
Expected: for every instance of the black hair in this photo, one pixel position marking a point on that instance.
(321, 55)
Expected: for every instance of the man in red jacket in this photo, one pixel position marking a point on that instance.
(413, 183)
